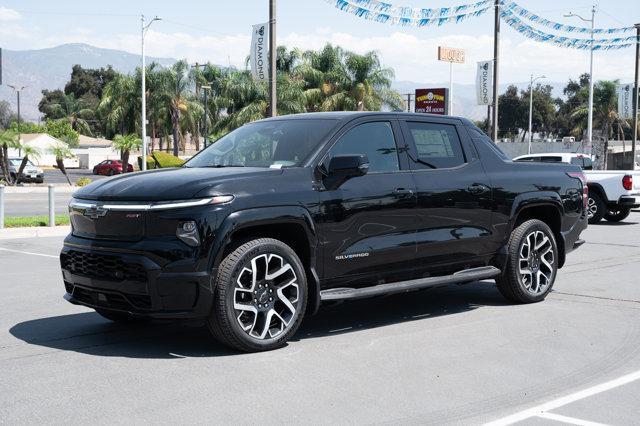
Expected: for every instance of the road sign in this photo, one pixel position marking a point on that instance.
(450, 54)
(432, 101)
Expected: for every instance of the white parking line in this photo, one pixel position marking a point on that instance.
(569, 420)
(28, 252)
(565, 400)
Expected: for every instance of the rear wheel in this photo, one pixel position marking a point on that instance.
(617, 215)
(110, 172)
(595, 207)
(260, 296)
(532, 263)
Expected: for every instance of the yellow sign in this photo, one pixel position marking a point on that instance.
(450, 54)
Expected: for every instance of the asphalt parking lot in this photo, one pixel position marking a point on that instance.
(452, 355)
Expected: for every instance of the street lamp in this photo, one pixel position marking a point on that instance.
(592, 21)
(18, 89)
(206, 88)
(143, 32)
(531, 107)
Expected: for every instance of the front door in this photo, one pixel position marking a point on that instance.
(367, 224)
(454, 197)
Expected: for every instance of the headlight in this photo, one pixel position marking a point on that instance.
(188, 232)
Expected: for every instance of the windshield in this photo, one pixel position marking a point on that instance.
(18, 161)
(274, 143)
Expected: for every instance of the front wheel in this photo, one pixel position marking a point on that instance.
(617, 215)
(260, 296)
(532, 263)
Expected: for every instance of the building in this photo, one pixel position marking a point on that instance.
(43, 143)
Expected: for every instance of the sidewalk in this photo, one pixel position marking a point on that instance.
(34, 232)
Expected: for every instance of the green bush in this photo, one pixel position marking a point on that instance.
(164, 160)
(151, 163)
(84, 181)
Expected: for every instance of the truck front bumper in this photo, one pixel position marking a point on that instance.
(133, 283)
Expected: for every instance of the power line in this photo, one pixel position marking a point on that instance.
(34, 12)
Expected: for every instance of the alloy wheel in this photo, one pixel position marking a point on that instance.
(265, 298)
(536, 262)
(592, 208)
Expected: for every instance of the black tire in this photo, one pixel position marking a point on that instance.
(617, 215)
(120, 317)
(595, 207)
(512, 284)
(111, 172)
(225, 322)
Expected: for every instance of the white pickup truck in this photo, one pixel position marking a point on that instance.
(612, 193)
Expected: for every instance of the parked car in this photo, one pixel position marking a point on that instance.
(110, 168)
(31, 172)
(258, 229)
(612, 193)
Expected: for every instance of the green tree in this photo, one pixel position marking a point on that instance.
(63, 131)
(28, 152)
(6, 115)
(120, 105)
(8, 139)
(125, 144)
(73, 111)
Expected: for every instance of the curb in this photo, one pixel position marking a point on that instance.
(34, 232)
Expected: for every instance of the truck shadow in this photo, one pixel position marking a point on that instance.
(90, 334)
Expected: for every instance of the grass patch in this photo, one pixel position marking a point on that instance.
(29, 221)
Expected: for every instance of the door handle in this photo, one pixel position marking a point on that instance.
(477, 189)
(403, 193)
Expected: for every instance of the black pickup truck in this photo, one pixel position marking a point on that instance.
(282, 214)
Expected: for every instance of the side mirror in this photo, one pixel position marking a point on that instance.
(351, 165)
(345, 167)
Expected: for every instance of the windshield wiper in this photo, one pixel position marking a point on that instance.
(425, 163)
(219, 166)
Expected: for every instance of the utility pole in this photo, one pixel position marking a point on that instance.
(531, 109)
(206, 88)
(635, 100)
(273, 110)
(496, 68)
(143, 124)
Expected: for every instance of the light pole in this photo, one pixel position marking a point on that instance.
(206, 88)
(18, 89)
(273, 110)
(143, 32)
(531, 107)
(590, 118)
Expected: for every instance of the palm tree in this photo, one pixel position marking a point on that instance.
(120, 104)
(125, 144)
(74, 111)
(8, 139)
(29, 152)
(323, 73)
(605, 115)
(61, 152)
(370, 83)
(178, 80)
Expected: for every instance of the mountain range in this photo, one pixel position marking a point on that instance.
(51, 68)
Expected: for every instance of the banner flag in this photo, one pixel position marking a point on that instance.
(259, 55)
(625, 98)
(484, 83)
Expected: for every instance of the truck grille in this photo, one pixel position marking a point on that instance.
(104, 267)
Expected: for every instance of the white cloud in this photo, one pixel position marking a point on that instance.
(7, 14)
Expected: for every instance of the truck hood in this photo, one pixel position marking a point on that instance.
(166, 184)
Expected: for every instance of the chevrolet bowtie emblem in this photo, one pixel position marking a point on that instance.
(95, 212)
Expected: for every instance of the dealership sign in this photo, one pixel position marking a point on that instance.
(432, 101)
(625, 100)
(449, 54)
(258, 56)
(484, 83)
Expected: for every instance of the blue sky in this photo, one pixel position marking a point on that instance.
(219, 32)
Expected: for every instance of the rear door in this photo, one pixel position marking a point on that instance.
(454, 208)
(367, 225)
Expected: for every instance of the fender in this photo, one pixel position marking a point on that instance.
(521, 203)
(278, 215)
(600, 190)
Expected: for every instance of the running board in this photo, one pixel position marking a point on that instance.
(466, 275)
